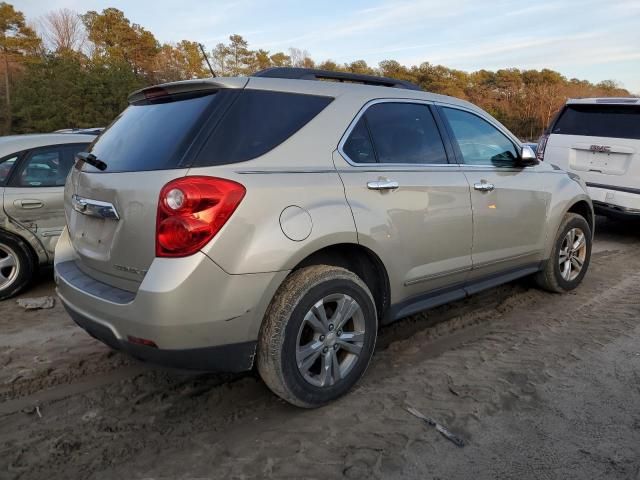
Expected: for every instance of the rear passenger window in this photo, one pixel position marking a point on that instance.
(405, 133)
(479, 142)
(358, 146)
(257, 122)
(48, 167)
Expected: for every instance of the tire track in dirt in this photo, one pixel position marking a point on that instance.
(461, 371)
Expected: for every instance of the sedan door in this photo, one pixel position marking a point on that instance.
(509, 201)
(33, 197)
(410, 205)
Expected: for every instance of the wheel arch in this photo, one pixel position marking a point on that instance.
(360, 260)
(581, 205)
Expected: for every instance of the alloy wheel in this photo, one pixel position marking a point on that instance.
(330, 340)
(573, 253)
(9, 266)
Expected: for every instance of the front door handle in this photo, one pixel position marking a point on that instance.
(28, 204)
(383, 185)
(484, 186)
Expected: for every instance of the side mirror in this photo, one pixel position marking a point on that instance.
(528, 156)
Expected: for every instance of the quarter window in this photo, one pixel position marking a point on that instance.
(358, 146)
(479, 142)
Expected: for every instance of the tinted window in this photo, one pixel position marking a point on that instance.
(479, 142)
(153, 135)
(6, 165)
(405, 133)
(617, 121)
(257, 122)
(358, 146)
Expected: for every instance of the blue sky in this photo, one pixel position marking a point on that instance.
(593, 40)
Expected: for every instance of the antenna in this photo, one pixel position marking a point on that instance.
(204, 54)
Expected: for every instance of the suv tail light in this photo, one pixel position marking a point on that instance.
(191, 211)
(542, 144)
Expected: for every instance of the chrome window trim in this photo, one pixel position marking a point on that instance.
(356, 119)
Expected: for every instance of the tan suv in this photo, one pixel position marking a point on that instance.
(279, 220)
(33, 169)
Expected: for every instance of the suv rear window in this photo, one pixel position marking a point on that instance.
(152, 135)
(242, 124)
(616, 121)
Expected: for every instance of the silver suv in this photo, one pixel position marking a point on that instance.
(33, 169)
(279, 220)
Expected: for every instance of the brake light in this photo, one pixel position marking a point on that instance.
(542, 144)
(191, 211)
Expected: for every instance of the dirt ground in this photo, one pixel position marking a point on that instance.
(538, 385)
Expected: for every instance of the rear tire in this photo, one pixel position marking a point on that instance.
(16, 265)
(318, 336)
(569, 261)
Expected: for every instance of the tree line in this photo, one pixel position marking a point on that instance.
(69, 69)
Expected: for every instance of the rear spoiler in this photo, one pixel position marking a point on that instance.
(200, 85)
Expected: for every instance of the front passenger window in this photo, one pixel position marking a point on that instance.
(479, 142)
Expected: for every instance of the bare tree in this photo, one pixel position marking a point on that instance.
(63, 30)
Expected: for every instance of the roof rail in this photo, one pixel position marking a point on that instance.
(315, 74)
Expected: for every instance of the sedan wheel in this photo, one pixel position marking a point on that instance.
(9, 266)
(16, 265)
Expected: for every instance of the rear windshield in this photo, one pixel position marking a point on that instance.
(153, 135)
(617, 121)
(229, 126)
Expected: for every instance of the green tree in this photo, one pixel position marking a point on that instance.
(116, 39)
(17, 40)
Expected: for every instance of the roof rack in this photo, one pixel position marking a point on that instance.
(315, 74)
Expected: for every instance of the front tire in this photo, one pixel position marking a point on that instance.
(318, 336)
(16, 265)
(570, 257)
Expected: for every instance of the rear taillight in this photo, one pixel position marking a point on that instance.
(191, 211)
(542, 144)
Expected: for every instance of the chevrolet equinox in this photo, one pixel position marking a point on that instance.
(280, 219)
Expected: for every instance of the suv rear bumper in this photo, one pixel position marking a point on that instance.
(615, 201)
(237, 357)
(198, 316)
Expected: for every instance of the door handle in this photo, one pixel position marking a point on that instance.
(484, 186)
(383, 185)
(28, 204)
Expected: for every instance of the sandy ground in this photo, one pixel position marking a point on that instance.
(538, 385)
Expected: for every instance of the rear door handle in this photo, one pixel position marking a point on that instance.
(28, 204)
(484, 186)
(383, 185)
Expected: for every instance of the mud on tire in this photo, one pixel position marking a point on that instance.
(551, 277)
(290, 332)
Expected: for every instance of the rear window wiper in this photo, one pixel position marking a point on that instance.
(91, 159)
